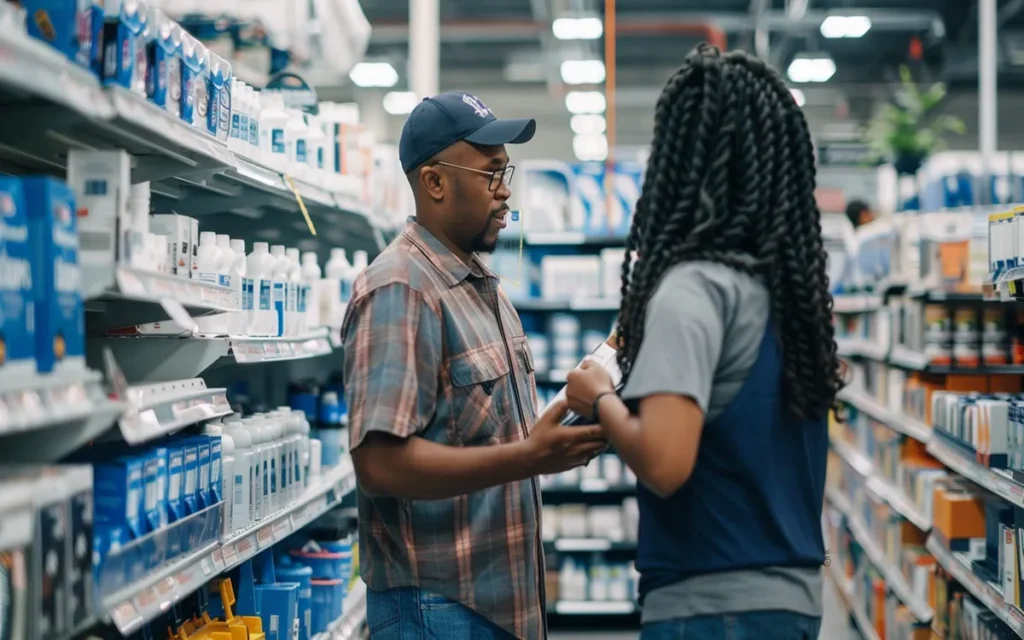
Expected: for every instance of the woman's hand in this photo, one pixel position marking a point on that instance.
(585, 384)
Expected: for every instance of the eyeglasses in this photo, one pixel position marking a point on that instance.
(498, 176)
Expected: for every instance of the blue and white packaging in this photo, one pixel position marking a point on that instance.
(216, 478)
(57, 282)
(190, 466)
(175, 483)
(194, 81)
(150, 490)
(163, 62)
(218, 115)
(124, 45)
(17, 310)
(117, 495)
(65, 25)
(547, 197)
(590, 197)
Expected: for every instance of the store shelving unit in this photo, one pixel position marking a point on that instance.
(352, 619)
(854, 607)
(881, 486)
(997, 481)
(595, 608)
(898, 421)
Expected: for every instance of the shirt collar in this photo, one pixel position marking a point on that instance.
(442, 257)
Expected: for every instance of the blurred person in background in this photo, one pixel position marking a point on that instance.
(729, 361)
(444, 434)
(859, 213)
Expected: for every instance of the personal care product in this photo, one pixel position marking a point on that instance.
(302, 431)
(316, 141)
(163, 62)
(238, 133)
(209, 262)
(332, 299)
(228, 486)
(260, 269)
(57, 282)
(193, 81)
(311, 277)
(296, 294)
(280, 281)
(178, 230)
(64, 25)
(175, 482)
(17, 312)
(190, 467)
(260, 485)
(244, 480)
(151, 511)
(110, 234)
(218, 117)
(194, 246)
(295, 132)
(272, 122)
(255, 106)
(242, 287)
(124, 45)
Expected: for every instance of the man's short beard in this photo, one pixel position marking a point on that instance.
(481, 244)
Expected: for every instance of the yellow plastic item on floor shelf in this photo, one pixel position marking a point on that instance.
(231, 628)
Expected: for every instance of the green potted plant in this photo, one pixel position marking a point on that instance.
(906, 131)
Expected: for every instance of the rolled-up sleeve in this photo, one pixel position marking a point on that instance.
(393, 346)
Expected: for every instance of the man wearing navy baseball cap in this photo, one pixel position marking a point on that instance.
(441, 393)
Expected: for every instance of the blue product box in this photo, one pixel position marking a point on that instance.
(201, 493)
(163, 63)
(216, 474)
(117, 495)
(124, 45)
(218, 116)
(56, 285)
(65, 25)
(190, 465)
(175, 483)
(17, 313)
(278, 604)
(195, 82)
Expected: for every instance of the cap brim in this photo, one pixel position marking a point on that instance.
(499, 132)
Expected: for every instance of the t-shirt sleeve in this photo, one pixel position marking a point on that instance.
(393, 346)
(683, 336)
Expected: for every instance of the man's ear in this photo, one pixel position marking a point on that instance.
(432, 182)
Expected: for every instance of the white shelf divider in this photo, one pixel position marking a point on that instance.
(159, 409)
(882, 486)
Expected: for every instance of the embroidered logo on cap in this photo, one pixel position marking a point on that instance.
(480, 108)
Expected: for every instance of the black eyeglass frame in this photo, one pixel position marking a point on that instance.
(505, 172)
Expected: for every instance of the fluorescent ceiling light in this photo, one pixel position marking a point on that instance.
(400, 103)
(587, 124)
(585, 102)
(374, 74)
(590, 147)
(811, 68)
(845, 26)
(583, 72)
(799, 97)
(577, 28)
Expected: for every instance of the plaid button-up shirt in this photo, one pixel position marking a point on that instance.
(434, 349)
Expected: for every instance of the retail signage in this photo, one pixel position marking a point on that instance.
(845, 154)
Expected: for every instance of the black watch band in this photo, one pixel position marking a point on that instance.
(597, 401)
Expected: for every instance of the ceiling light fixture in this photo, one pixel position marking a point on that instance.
(590, 147)
(583, 72)
(400, 103)
(845, 26)
(811, 67)
(587, 124)
(799, 97)
(374, 74)
(585, 102)
(577, 28)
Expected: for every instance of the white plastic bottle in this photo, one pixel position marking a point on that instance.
(237, 113)
(227, 477)
(208, 258)
(360, 260)
(240, 285)
(331, 293)
(254, 104)
(227, 258)
(273, 120)
(260, 269)
(302, 430)
(295, 132)
(316, 140)
(298, 293)
(279, 275)
(290, 436)
(243, 503)
(262, 465)
(311, 277)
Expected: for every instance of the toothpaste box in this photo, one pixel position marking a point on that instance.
(163, 62)
(218, 116)
(178, 230)
(124, 46)
(195, 82)
(101, 182)
(57, 287)
(17, 312)
(66, 25)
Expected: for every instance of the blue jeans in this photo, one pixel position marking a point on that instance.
(752, 625)
(409, 613)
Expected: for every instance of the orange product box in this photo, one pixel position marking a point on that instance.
(957, 514)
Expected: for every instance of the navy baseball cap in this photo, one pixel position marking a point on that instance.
(439, 122)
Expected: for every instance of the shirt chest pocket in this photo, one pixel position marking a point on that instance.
(481, 399)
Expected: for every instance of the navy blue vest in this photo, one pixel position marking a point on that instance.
(755, 496)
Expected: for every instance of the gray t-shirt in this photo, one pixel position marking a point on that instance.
(703, 332)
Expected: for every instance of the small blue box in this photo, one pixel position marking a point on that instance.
(17, 315)
(124, 47)
(57, 285)
(66, 25)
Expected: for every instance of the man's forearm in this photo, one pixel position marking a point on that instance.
(419, 469)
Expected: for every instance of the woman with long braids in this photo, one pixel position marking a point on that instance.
(728, 360)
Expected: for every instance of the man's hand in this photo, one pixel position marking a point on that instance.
(555, 448)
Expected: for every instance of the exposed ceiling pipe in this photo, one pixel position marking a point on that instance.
(678, 23)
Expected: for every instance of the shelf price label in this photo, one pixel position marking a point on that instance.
(217, 557)
(265, 537)
(230, 555)
(125, 616)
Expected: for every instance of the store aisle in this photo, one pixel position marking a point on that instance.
(833, 627)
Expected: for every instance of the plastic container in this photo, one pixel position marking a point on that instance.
(208, 258)
(272, 122)
(280, 283)
(239, 324)
(327, 598)
(287, 571)
(295, 132)
(296, 294)
(260, 269)
(332, 299)
(311, 277)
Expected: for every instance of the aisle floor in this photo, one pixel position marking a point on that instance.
(834, 626)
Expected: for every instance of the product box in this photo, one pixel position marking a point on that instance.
(193, 231)
(78, 482)
(57, 282)
(118, 494)
(195, 80)
(101, 182)
(180, 247)
(17, 314)
(163, 62)
(190, 466)
(16, 539)
(65, 25)
(124, 45)
(218, 115)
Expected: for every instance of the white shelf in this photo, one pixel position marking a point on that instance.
(248, 350)
(851, 347)
(352, 619)
(72, 403)
(594, 608)
(136, 604)
(856, 302)
(989, 595)
(897, 421)
(146, 286)
(997, 481)
(882, 486)
(156, 410)
(853, 605)
(583, 544)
